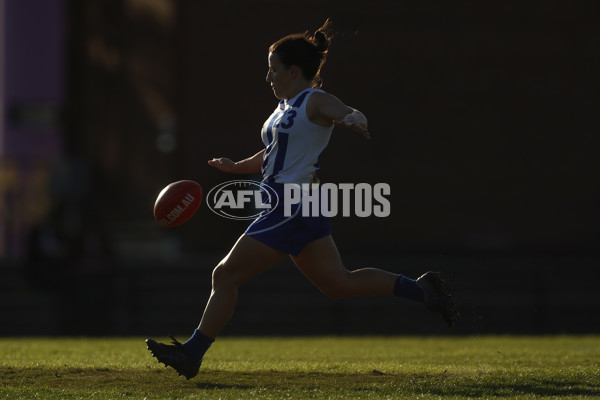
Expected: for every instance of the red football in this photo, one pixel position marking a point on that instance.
(177, 203)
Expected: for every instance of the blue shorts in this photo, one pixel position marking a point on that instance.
(288, 234)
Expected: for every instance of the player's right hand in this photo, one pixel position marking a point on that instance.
(223, 164)
(355, 121)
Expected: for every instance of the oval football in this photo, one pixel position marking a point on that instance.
(177, 203)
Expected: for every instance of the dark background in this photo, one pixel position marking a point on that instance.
(484, 118)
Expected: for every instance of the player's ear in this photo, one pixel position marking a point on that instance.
(295, 71)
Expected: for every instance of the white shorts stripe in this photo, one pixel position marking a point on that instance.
(276, 225)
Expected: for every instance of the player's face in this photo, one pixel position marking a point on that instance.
(279, 77)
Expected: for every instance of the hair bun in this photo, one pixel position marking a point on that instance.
(321, 41)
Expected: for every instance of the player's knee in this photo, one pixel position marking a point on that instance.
(337, 287)
(228, 274)
(221, 277)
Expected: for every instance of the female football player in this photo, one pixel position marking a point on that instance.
(294, 136)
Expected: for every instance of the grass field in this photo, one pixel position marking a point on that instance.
(308, 368)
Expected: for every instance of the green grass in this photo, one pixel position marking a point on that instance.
(503, 367)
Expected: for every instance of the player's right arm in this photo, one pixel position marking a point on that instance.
(326, 109)
(248, 165)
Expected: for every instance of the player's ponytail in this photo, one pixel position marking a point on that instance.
(306, 51)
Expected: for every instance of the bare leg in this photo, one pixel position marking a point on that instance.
(321, 263)
(247, 259)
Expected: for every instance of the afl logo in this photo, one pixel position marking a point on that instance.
(242, 199)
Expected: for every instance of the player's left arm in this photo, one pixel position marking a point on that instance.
(326, 109)
(248, 165)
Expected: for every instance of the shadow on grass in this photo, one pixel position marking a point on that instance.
(373, 381)
(223, 386)
(438, 384)
(165, 381)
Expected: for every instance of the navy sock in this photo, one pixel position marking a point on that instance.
(408, 288)
(197, 345)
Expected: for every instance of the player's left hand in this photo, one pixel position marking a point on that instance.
(355, 121)
(223, 164)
